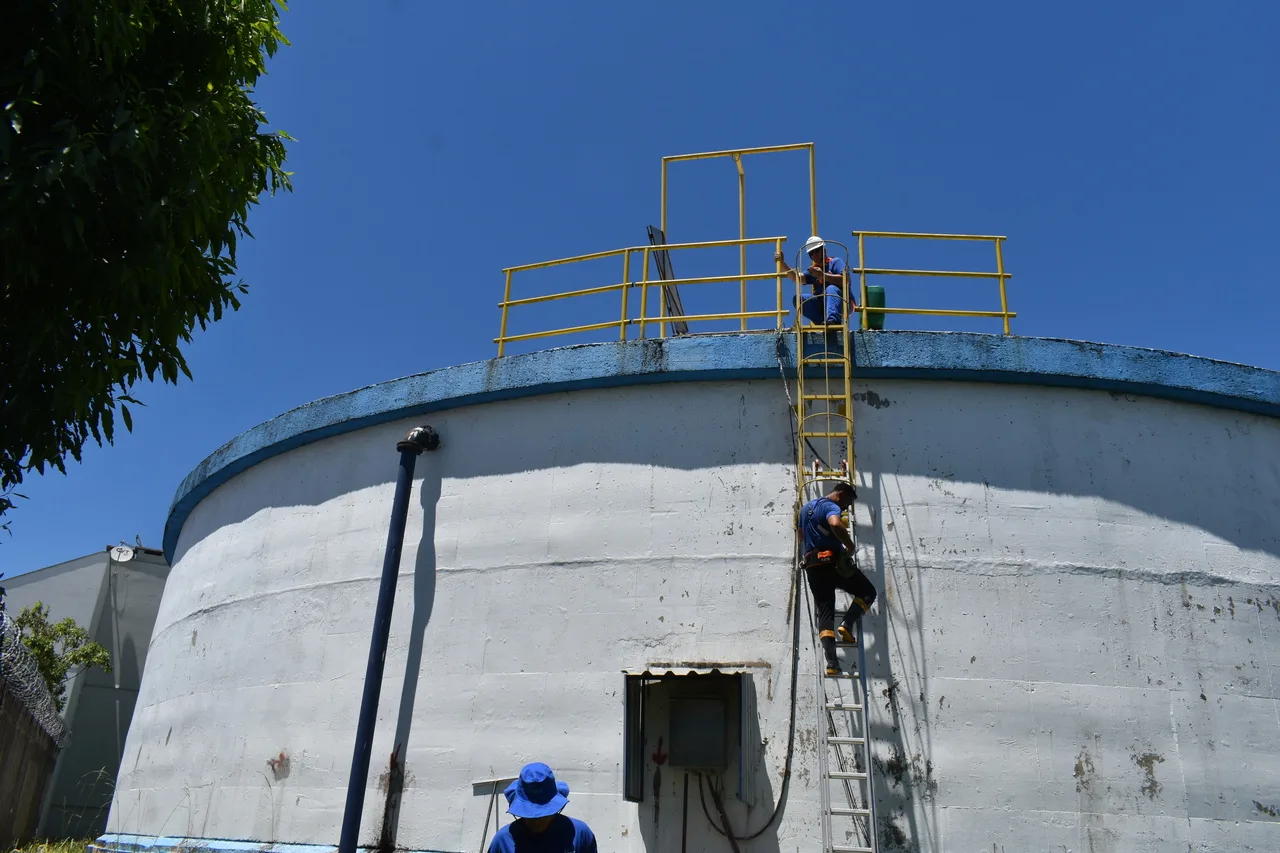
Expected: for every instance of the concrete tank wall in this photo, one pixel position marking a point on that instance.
(1077, 646)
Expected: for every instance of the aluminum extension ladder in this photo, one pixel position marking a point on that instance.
(824, 456)
(844, 755)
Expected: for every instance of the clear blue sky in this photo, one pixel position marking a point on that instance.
(1129, 150)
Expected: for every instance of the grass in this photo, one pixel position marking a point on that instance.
(71, 846)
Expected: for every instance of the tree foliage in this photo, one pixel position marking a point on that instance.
(58, 649)
(130, 153)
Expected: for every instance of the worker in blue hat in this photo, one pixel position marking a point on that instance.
(536, 799)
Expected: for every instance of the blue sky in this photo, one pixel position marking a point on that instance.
(1127, 149)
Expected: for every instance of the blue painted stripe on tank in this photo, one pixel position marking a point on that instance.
(957, 356)
(116, 843)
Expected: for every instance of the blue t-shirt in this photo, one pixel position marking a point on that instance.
(834, 266)
(564, 835)
(813, 524)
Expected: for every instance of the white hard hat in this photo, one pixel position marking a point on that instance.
(814, 242)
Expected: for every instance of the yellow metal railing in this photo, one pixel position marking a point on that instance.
(737, 154)
(627, 285)
(862, 271)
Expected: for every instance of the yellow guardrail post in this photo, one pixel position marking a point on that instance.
(742, 235)
(626, 288)
(813, 190)
(644, 284)
(844, 294)
(502, 332)
(862, 280)
(777, 264)
(799, 318)
(662, 219)
(662, 310)
(1004, 297)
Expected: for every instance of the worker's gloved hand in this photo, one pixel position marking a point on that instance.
(777, 257)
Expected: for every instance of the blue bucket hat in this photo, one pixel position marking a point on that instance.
(561, 787)
(536, 793)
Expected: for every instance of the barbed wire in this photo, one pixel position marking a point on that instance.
(21, 677)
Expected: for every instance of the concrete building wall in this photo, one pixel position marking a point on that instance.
(116, 603)
(1077, 644)
(72, 589)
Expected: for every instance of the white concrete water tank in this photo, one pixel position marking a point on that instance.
(1077, 644)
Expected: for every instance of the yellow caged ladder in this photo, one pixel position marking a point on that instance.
(825, 456)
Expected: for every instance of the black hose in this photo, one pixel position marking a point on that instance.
(684, 820)
(791, 739)
(715, 798)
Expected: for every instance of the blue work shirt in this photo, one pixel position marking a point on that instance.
(564, 835)
(834, 266)
(813, 524)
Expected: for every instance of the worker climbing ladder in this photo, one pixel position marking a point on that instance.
(825, 456)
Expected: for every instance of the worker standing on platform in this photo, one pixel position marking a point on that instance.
(536, 800)
(829, 564)
(826, 277)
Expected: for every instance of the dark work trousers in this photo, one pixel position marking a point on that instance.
(824, 580)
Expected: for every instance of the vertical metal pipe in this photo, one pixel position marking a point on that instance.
(644, 291)
(419, 439)
(848, 382)
(663, 221)
(662, 310)
(813, 192)
(626, 289)
(800, 388)
(742, 235)
(684, 820)
(777, 249)
(502, 333)
(862, 276)
(1004, 299)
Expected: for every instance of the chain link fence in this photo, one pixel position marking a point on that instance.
(18, 671)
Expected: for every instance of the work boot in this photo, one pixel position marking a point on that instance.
(828, 640)
(846, 635)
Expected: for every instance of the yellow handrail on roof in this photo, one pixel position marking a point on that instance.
(643, 320)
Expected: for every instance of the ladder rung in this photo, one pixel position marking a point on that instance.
(852, 676)
(839, 849)
(840, 706)
(846, 741)
(846, 774)
(823, 397)
(843, 812)
(840, 645)
(813, 359)
(844, 434)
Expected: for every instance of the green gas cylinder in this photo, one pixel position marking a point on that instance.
(875, 299)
